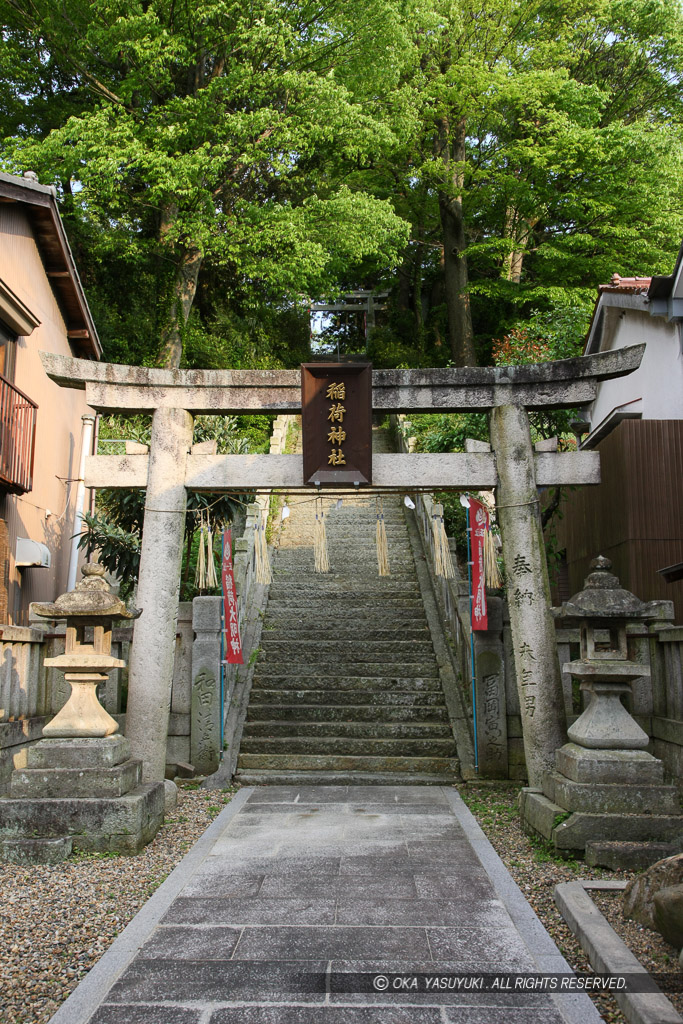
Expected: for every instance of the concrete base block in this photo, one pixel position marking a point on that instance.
(36, 851)
(570, 832)
(120, 824)
(596, 798)
(539, 814)
(76, 782)
(617, 855)
(619, 767)
(79, 752)
(580, 828)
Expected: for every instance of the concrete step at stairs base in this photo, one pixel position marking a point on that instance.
(253, 777)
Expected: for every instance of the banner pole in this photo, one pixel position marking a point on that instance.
(468, 510)
(223, 627)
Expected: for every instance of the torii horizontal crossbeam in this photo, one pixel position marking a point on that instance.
(565, 383)
(455, 471)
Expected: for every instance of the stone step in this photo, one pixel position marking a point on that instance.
(294, 698)
(252, 777)
(355, 577)
(309, 616)
(312, 601)
(410, 671)
(348, 763)
(32, 850)
(357, 730)
(335, 631)
(343, 548)
(346, 746)
(317, 649)
(346, 591)
(351, 714)
(362, 684)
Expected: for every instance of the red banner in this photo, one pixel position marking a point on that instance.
(479, 524)
(233, 644)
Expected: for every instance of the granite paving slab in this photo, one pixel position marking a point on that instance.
(332, 905)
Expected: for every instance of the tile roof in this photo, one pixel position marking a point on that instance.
(626, 285)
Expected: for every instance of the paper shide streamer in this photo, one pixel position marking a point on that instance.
(322, 561)
(381, 540)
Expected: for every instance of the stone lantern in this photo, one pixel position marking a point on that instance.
(604, 670)
(606, 789)
(80, 788)
(87, 660)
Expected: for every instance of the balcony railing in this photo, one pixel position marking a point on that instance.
(17, 438)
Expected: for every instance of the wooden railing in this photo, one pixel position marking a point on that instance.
(17, 438)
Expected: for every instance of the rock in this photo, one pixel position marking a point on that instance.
(640, 893)
(170, 796)
(668, 914)
(185, 771)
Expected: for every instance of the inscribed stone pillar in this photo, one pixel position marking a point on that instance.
(490, 689)
(151, 660)
(205, 727)
(533, 631)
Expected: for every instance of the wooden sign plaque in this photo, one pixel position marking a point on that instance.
(336, 417)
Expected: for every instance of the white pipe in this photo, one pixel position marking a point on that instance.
(86, 443)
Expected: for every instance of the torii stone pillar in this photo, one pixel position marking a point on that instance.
(151, 660)
(539, 683)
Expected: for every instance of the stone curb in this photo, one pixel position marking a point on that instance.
(609, 955)
(86, 998)
(574, 1007)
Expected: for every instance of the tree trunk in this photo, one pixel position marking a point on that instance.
(518, 229)
(455, 244)
(182, 296)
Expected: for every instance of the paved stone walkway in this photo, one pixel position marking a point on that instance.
(297, 899)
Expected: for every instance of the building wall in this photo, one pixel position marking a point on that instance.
(635, 515)
(659, 379)
(58, 431)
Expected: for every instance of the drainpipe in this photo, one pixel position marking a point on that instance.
(86, 444)
(93, 492)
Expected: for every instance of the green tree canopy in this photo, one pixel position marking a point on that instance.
(184, 132)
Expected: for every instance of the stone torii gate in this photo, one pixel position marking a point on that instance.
(510, 465)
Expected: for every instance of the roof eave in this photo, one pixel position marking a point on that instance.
(60, 267)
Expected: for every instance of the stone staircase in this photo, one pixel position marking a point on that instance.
(346, 687)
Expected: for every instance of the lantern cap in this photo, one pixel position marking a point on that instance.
(90, 599)
(603, 597)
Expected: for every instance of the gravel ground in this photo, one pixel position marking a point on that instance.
(537, 872)
(57, 921)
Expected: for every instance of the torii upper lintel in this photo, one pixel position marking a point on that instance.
(564, 383)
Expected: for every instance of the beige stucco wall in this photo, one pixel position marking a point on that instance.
(655, 389)
(58, 434)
